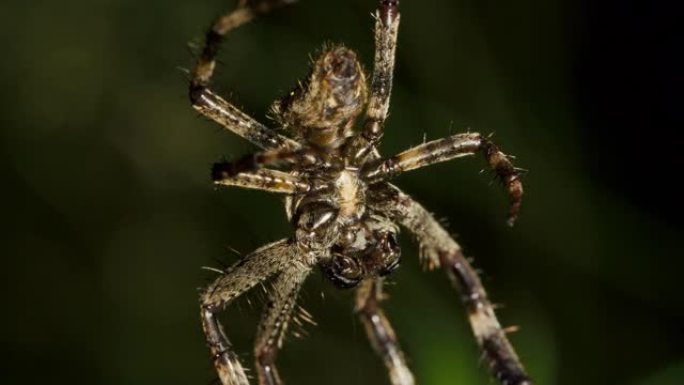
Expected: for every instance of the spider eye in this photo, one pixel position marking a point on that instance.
(344, 271)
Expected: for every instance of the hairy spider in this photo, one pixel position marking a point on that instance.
(345, 214)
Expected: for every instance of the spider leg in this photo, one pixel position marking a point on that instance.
(263, 179)
(386, 29)
(440, 249)
(303, 157)
(380, 332)
(274, 323)
(215, 107)
(448, 148)
(253, 269)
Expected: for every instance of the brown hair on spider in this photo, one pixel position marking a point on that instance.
(321, 110)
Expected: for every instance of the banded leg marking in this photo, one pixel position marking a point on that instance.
(303, 157)
(386, 30)
(442, 150)
(274, 323)
(236, 121)
(264, 179)
(212, 105)
(380, 332)
(438, 248)
(237, 280)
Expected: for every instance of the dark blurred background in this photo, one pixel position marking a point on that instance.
(109, 215)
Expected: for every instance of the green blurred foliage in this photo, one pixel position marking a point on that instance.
(109, 215)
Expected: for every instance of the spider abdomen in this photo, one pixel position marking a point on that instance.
(322, 109)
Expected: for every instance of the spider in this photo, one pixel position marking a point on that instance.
(345, 213)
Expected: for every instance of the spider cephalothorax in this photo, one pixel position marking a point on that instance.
(344, 212)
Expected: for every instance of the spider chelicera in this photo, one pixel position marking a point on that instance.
(345, 213)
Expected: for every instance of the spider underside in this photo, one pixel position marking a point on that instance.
(345, 213)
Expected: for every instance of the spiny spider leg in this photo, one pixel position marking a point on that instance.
(440, 249)
(264, 179)
(212, 105)
(253, 269)
(274, 322)
(380, 332)
(386, 29)
(230, 117)
(303, 157)
(448, 148)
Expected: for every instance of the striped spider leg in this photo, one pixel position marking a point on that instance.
(216, 108)
(438, 248)
(442, 150)
(380, 332)
(387, 18)
(213, 106)
(290, 265)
